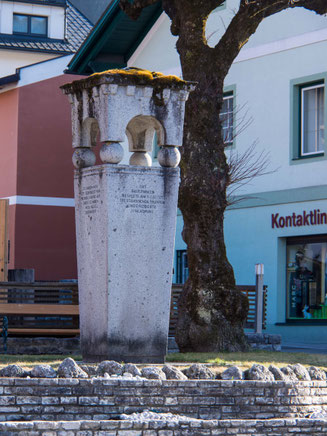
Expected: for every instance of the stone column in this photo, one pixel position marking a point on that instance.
(126, 215)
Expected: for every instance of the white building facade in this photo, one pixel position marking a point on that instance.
(277, 88)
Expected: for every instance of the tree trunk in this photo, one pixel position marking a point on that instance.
(211, 310)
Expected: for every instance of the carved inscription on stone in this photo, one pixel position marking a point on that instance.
(90, 198)
(141, 199)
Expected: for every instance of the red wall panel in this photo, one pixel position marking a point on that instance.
(8, 142)
(45, 241)
(44, 140)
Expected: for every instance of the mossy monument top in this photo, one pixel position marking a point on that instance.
(132, 102)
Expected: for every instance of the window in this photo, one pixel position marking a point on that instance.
(306, 278)
(30, 25)
(308, 119)
(312, 119)
(181, 266)
(227, 118)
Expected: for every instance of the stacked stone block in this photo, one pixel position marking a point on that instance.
(102, 399)
(275, 427)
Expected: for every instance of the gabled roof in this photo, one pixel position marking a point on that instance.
(113, 39)
(77, 29)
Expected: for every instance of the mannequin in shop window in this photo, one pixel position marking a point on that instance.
(302, 272)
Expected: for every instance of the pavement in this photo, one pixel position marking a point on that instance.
(304, 348)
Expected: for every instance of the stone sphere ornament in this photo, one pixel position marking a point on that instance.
(83, 157)
(111, 153)
(140, 159)
(169, 157)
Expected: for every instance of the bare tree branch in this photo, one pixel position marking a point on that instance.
(244, 167)
(247, 19)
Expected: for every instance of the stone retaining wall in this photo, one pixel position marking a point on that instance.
(275, 427)
(50, 345)
(102, 399)
(264, 341)
(43, 346)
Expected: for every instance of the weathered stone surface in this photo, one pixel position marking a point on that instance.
(255, 338)
(12, 371)
(274, 339)
(316, 373)
(101, 399)
(43, 371)
(173, 373)
(109, 367)
(128, 204)
(301, 372)
(131, 369)
(277, 373)
(153, 373)
(91, 370)
(232, 373)
(43, 346)
(199, 371)
(290, 374)
(258, 372)
(264, 341)
(69, 369)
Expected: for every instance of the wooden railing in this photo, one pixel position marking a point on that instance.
(51, 308)
(249, 291)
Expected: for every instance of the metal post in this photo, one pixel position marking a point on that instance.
(259, 271)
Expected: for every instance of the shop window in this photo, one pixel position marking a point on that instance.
(227, 118)
(30, 25)
(181, 266)
(306, 278)
(312, 120)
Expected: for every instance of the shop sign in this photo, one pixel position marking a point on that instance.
(312, 218)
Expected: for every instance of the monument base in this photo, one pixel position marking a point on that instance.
(125, 224)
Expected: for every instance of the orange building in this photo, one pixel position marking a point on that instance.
(36, 173)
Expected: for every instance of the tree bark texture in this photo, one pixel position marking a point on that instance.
(211, 310)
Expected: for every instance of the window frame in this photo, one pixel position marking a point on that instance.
(296, 134)
(182, 269)
(230, 126)
(29, 25)
(302, 89)
(230, 92)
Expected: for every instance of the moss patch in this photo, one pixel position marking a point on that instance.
(141, 74)
(127, 77)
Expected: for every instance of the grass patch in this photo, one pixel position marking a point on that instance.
(219, 361)
(246, 360)
(29, 361)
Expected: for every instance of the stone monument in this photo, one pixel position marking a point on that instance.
(126, 214)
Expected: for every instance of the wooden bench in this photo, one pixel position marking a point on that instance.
(40, 308)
